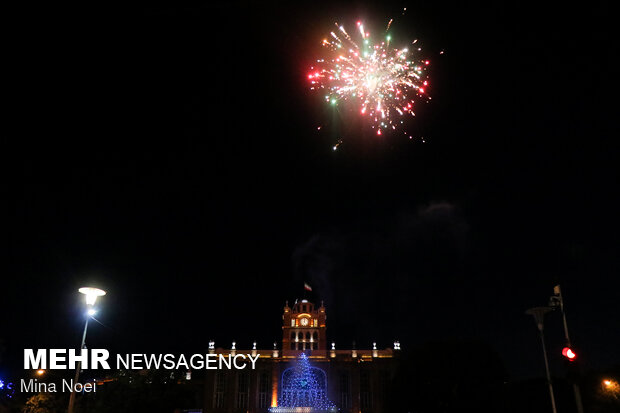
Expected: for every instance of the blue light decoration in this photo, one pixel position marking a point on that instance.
(6, 390)
(304, 390)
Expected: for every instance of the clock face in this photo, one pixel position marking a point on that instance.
(304, 321)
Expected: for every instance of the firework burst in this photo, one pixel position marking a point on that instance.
(381, 82)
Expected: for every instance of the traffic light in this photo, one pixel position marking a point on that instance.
(572, 365)
(569, 354)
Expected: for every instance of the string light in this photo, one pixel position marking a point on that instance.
(303, 389)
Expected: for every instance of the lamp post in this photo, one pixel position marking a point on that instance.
(539, 313)
(91, 295)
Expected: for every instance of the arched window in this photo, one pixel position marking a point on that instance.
(307, 336)
(315, 336)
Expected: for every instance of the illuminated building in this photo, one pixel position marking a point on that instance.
(355, 380)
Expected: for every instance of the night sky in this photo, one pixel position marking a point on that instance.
(171, 156)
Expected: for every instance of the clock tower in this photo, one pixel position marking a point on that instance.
(304, 329)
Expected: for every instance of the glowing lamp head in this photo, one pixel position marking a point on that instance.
(611, 386)
(91, 312)
(569, 353)
(40, 372)
(91, 294)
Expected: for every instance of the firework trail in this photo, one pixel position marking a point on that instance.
(382, 82)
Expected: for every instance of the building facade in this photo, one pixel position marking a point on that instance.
(355, 380)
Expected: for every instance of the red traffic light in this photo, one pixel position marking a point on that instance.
(569, 353)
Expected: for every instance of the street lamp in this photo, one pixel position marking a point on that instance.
(539, 313)
(611, 388)
(611, 385)
(91, 295)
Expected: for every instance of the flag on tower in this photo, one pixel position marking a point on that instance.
(307, 287)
